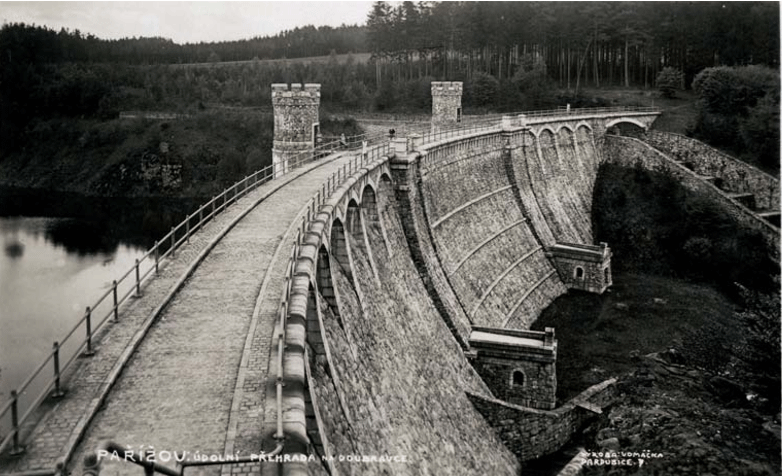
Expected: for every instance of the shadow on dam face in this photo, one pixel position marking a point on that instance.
(459, 240)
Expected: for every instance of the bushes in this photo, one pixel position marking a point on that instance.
(679, 233)
(669, 80)
(738, 109)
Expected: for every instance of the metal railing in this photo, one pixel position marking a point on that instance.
(92, 462)
(564, 110)
(126, 286)
(181, 233)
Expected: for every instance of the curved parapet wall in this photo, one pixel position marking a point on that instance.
(397, 266)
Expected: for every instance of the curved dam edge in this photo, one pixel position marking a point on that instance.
(385, 345)
(382, 285)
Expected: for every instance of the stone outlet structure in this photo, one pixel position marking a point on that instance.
(582, 267)
(518, 366)
(446, 104)
(296, 123)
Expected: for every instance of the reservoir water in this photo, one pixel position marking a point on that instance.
(58, 256)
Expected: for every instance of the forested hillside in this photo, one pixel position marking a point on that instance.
(510, 55)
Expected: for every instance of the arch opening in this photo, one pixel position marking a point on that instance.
(517, 378)
(325, 282)
(339, 248)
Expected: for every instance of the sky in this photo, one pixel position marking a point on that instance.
(184, 22)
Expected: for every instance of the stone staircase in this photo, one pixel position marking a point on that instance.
(746, 199)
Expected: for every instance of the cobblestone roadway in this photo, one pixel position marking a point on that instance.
(176, 392)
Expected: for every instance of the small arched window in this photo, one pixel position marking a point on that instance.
(517, 379)
(579, 272)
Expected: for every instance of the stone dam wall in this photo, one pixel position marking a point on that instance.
(396, 381)
(413, 253)
(493, 203)
(452, 237)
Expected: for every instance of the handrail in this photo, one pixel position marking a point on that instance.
(337, 178)
(129, 284)
(152, 258)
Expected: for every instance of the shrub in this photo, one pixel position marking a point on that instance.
(669, 80)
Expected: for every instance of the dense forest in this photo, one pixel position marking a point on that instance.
(510, 55)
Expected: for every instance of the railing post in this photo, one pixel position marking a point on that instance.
(58, 393)
(200, 215)
(114, 292)
(187, 229)
(88, 318)
(16, 449)
(173, 242)
(157, 256)
(214, 200)
(138, 280)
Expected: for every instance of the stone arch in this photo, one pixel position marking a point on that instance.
(369, 205)
(339, 248)
(357, 227)
(625, 120)
(385, 200)
(325, 283)
(564, 126)
(548, 128)
(517, 378)
(355, 223)
(314, 334)
(585, 125)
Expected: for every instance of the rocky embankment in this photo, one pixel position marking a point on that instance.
(690, 421)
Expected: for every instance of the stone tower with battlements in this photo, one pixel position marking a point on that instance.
(296, 123)
(446, 104)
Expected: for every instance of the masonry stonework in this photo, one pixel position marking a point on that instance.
(631, 152)
(582, 267)
(446, 104)
(734, 175)
(531, 433)
(518, 366)
(296, 123)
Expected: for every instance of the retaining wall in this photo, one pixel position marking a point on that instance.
(630, 152)
(735, 176)
(531, 433)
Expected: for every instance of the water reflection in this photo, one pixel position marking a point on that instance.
(53, 267)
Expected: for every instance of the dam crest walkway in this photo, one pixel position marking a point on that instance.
(185, 367)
